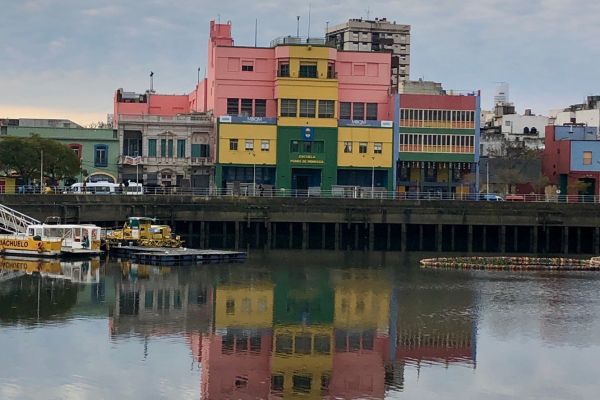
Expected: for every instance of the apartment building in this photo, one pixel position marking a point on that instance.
(378, 35)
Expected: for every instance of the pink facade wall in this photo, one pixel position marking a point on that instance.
(437, 102)
(231, 82)
(221, 371)
(157, 104)
(365, 77)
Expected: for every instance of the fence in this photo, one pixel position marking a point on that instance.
(336, 192)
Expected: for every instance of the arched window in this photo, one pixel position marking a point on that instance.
(76, 147)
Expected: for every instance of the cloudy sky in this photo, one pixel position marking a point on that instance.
(65, 58)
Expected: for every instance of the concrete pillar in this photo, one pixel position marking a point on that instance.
(470, 239)
(547, 244)
(202, 235)
(256, 235)
(224, 234)
(403, 237)
(502, 239)
(578, 240)
(274, 243)
(323, 236)
(452, 238)
(304, 235)
(596, 241)
(516, 239)
(291, 236)
(388, 237)
(534, 239)
(484, 239)
(207, 234)
(269, 237)
(439, 236)
(355, 236)
(565, 241)
(190, 241)
(237, 235)
(336, 234)
(420, 237)
(371, 236)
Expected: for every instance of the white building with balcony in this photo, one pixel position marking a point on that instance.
(167, 151)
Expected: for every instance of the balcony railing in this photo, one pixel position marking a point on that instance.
(174, 161)
(187, 118)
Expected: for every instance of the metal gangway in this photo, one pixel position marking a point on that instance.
(13, 221)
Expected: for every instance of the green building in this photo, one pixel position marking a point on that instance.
(97, 149)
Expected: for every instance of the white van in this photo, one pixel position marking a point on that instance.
(104, 187)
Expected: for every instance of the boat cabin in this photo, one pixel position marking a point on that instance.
(75, 238)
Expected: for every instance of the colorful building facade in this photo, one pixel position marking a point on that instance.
(97, 149)
(438, 143)
(161, 142)
(298, 116)
(571, 159)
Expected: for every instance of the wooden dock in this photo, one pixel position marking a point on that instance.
(181, 256)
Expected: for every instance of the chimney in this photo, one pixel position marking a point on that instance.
(528, 112)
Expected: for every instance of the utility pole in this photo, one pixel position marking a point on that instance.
(487, 176)
(297, 26)
(372, 176)
(41, 171)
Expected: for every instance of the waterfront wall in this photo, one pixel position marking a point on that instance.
(317, 223)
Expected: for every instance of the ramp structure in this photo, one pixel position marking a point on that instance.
(13, 221)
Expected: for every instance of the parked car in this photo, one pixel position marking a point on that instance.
(491, 197)
(514, 197)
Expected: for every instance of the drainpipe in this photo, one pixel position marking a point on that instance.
(477, 138)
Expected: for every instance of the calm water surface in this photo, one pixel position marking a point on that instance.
(296, 325)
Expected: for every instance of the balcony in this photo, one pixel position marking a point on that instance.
(166, 161)
(177, 119)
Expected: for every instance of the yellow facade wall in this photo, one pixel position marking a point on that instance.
(313, 365)
(371, 136)
(309, 54)
(243, 306)
(7, 185)
(241, 132)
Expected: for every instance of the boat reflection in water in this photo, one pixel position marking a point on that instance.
(82, 271)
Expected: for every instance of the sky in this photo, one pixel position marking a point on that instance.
(65, 58)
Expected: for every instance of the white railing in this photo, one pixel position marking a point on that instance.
(13, 221)
(340, 192)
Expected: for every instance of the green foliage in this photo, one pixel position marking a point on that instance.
(22, 156)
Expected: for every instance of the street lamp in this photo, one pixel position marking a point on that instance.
(253, 172)
(372, 175)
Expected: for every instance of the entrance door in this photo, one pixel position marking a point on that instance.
(305, 178)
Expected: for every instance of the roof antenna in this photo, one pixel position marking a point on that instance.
(368, 12)
(297, 26)
(151, 82)
(255, 30)
(308, 34)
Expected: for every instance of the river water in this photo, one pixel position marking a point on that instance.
(296, 325)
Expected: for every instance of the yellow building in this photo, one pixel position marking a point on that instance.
(302, 361)
(244, 306)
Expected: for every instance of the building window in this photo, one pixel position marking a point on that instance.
(151, 147)
(358, 111)
(288, 107)
(181, 148)
(347, 147)
(246, 110)
(163, 147)
(345, 110)
(587, 158)
(362, 147)
(294, 146)
(76, 149)
(195, 150)
(249, 144)
(260, 108)
(233, 106)
(308, 108)
(100, 155)
(233, 144)
(265, 145)
(371, 111)
(308, 71)
(326, 108)
(284, 70)
(247, 66)
(377, 147)
(170, 148)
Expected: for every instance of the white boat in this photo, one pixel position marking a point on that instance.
(75, 238)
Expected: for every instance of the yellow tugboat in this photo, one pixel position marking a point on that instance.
(140, 231)
(29, 245)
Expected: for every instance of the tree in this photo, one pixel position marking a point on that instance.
(22, 156)
(18, 156)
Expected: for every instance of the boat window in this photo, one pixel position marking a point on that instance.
(38, 231)
(135, 223)
(30, 231)
(77, 234)
(95, 234)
